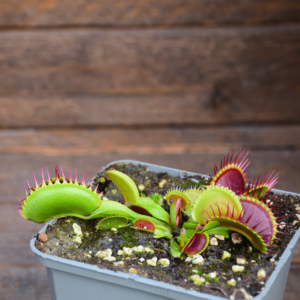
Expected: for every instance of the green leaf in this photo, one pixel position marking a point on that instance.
(153, 208)
(174, 247)
(190, 224)
(188, 210)
(181, 238)
(162, 231)
(189, 234)
(112, 222)
(125, 184)
(114, 208)
(156, 198)
(201, 182)
(221, 230)
(211, 225)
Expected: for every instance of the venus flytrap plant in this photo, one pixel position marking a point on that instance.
(231, 203)
(141, 213)
(61, 196)
(237, 206)
(226, 204)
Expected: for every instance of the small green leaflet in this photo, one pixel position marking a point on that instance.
(190, 224)
(174, 247)
(162, 231)
(221, 230)
(112, 222)
(211, 225)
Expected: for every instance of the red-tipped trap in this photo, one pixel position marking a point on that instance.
(231, 173)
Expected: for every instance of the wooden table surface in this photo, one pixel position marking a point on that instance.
(193, 149)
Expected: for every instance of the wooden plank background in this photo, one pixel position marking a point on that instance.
(221, 76)
(51, 13)
(177, 83)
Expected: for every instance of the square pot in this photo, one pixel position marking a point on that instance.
(75, 280)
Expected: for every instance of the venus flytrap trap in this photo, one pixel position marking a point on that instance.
(58, 197)
(233, 176)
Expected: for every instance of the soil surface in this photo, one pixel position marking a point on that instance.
(154, 260)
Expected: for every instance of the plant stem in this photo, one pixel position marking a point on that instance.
(173, 214)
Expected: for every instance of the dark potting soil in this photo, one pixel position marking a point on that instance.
(153, 259)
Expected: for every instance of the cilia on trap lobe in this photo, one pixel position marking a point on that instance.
(226, 202)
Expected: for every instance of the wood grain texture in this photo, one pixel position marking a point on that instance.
(199, 109)
(146, 141)
(28, 283)
(15, 234)
(190, 149)
(292, 289)
(51, 13)
(132, 77)
(287, 164)
(296, 255)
